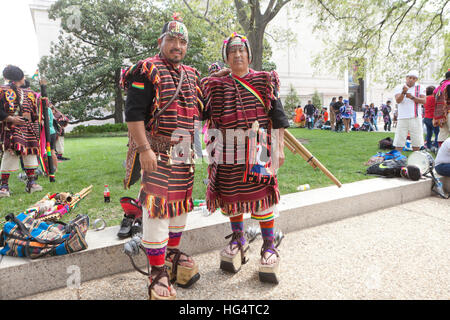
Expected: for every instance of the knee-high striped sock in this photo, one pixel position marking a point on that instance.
(267, 230)
(5, 178)
(174, 239)
(30, 173)
(237, 225)
(156, 257)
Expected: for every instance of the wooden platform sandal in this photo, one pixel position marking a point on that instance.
(162, 272)
(181, 275)
(233, 263)
(269, 272)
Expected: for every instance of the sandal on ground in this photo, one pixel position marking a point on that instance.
(161, 272)
(269, 272)
(179, 274)
(233, 263)
(32, 186)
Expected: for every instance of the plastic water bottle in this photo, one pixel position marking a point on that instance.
(106, 194)
(303, 187)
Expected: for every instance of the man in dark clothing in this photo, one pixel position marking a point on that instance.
(386, 110)
(336, 107)
(309, 111)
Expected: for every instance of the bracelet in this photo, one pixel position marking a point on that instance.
(143, 148)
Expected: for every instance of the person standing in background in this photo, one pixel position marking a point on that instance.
(386, 111)
(346, 112)
(310, 110)
(428, 120)
(332, 114)
(409, 97)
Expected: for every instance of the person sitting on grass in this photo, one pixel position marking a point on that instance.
(442, 161)
(367, 126)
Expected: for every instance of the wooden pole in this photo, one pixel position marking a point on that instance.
(296, 147)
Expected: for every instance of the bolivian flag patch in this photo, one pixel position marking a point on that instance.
(138, 85)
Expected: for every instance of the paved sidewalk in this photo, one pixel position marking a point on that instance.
(397, 253)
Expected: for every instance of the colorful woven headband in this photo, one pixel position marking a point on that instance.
(214, 68)
(231, 41)
(175, 28)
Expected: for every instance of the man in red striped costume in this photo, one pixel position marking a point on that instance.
(19, 130)
(167, 172)
(245, 102)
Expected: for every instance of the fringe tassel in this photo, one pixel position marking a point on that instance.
(24, 150)
(161, 208)
(237, 208)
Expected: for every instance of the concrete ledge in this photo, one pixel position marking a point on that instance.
(21, 277)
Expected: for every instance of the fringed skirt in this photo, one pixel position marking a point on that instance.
(167, 192)
(234, 197)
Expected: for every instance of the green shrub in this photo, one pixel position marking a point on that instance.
(109, 127)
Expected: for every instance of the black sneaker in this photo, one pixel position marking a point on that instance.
(136, 228)
(125, 227)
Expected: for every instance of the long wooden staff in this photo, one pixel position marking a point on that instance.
(296, 147)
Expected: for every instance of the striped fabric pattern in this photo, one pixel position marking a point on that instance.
(138, 85)
(20, 138)
(266, 217)
(176, 228)
(226, 189)
(155, 245)
(167, 192)
(174, 239)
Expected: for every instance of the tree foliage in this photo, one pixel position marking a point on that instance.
(292, 101)
(98, 39)
(225, 16)
(317, 100)
(392, 36)
(84, 66)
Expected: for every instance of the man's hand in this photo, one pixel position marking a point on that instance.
(410, 96)
(148, 161)
(221, 73)
(15, 120)
(405, 89)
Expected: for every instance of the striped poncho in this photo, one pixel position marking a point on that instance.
(22, 139)
(231, 106)
(166, 192)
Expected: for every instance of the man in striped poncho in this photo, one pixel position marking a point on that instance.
(243, 105)
(167, 174)
(19, 129)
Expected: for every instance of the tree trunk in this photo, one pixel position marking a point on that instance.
(118, 103)
(256, 39)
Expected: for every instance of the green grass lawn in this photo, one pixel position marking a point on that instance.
(98, 161)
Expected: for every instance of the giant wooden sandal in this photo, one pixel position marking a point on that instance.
(269, 272)
(182, 275)
(162, 272)
(233, 263)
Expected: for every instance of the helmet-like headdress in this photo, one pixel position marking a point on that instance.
(236, 39)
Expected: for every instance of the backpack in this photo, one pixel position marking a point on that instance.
(388, 168)
(386, 143)
(23, 236)
(131, 207)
